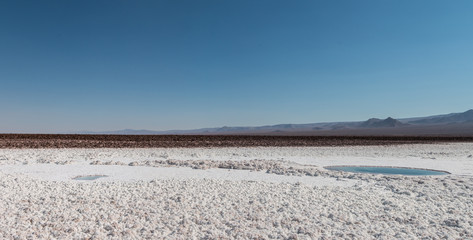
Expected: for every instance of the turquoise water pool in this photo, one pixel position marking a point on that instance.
(91, 177)
(387, 170)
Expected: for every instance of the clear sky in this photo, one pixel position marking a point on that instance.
(158, 65)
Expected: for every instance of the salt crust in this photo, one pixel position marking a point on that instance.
(370, 207)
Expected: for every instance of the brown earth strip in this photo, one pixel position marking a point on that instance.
(186, 141)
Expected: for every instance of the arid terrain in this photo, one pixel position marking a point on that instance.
(176, 141)
(232, 187)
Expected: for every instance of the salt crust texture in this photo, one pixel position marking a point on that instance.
(371, 207)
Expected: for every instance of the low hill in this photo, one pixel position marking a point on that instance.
(376, 123)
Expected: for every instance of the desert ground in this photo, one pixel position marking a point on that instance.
(240, 187)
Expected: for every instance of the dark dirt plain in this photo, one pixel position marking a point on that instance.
(187, 141)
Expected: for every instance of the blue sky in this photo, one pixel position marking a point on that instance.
(108, 65)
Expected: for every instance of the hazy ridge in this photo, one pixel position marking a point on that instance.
(446, 124)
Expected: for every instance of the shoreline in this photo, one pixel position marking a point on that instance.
(20, 141)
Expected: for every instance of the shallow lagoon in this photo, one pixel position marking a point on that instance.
(387, 170)
(90, 177)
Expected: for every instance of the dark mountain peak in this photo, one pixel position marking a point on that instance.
(388, 122)
(393, 121)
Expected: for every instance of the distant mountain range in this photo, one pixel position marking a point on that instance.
(453, 124)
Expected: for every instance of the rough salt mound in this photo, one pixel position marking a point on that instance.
(371, 207)
(455, 158)
(389, 208)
